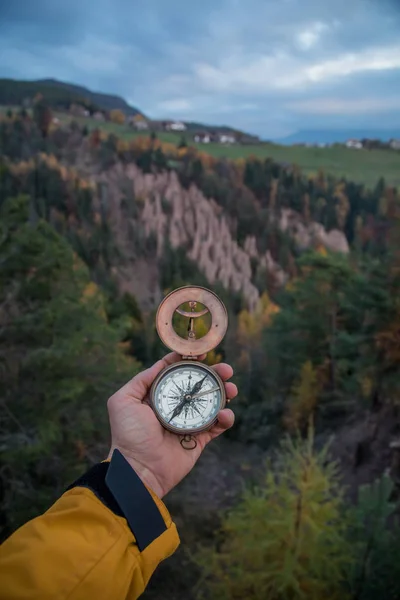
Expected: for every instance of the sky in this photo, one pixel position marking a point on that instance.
(270, 67)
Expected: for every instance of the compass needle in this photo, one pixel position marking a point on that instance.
(200, 394)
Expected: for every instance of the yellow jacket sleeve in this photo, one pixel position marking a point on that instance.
(81, 550)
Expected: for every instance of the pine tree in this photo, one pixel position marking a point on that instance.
(287, 539)
(59, 361)
(376, 543)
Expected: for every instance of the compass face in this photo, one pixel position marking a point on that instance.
(187, 397)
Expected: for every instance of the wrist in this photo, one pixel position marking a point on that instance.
(144, 474)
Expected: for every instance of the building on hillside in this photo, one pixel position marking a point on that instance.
(394, 144)
(141, 125)
(355, 144)
(139, 122)
(202, 138)
(175, 126)
(225, 138)
(99, 116)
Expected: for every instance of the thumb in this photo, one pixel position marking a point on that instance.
(138, 387)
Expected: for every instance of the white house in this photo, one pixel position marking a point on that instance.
(176, 126)
(141, 125)
(356, 144)
(202, 138)
(226, 138)
(395, 144)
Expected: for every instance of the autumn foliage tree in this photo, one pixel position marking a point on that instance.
(117, 116)
(288, 538)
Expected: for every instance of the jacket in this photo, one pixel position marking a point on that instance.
(101, 540)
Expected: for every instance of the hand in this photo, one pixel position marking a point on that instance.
(153, 452)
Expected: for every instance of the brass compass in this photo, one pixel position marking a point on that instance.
(188, 395)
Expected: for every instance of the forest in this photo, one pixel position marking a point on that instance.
(314, 340)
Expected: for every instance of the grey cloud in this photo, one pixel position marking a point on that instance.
(156, 54)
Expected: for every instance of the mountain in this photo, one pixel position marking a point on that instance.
(103, 101)
(61, 94)
(332, 136)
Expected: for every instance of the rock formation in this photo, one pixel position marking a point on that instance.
(185, 218)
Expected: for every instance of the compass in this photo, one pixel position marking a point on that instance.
(188, 395)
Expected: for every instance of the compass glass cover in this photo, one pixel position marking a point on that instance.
(188, 398)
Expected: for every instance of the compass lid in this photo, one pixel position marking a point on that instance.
(191, 347)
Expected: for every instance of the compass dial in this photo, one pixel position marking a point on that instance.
(188, 397)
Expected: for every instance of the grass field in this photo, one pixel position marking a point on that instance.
(361, 166)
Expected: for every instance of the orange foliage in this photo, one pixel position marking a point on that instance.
(182, 152)
(90, 290)
(320, 249)
(117, 116)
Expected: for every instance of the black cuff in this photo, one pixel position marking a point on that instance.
(120, 489)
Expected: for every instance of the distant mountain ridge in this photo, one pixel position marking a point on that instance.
(103, 101)
(331, 136)
(60, 93)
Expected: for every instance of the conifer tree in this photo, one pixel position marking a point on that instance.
(286, 540)
(59, 361)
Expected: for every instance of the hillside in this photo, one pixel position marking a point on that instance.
(60, 95)
(366, 166)
(103, 101)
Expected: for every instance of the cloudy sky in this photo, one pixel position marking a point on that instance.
(267, 66)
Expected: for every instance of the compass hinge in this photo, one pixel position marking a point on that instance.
(189, 357)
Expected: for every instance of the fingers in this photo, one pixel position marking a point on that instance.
(226, 419)
(224, 371)
(231, 390)
(138, 387)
